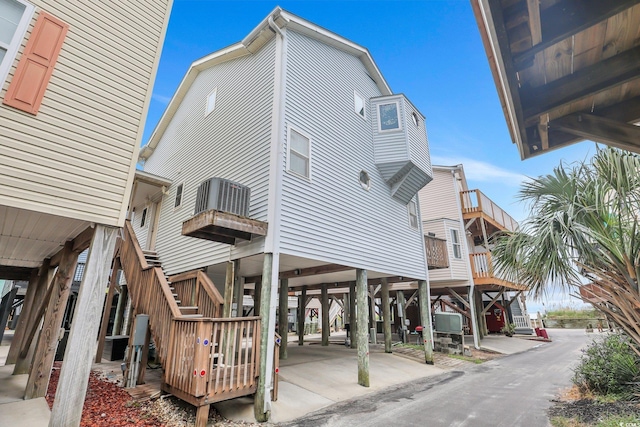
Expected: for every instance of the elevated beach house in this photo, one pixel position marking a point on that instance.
(71, 118)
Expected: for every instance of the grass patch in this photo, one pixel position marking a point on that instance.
(566, 422)
(467, 358)
(570, 313)
(619, 421)
(413, 346)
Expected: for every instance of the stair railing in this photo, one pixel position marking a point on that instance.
(195, 288)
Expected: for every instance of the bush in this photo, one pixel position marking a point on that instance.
(608, 366)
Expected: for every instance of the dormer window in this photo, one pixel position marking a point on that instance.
(389, 117)
(359, 104)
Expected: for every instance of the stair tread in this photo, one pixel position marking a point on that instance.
(189, 307)
(191, 315)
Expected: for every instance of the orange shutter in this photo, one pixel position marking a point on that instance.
(36, 65)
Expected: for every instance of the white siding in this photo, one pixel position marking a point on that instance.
(457, 270)
(440, 199)
(75, 158)
(332, 218)
(418, 141)
(232, 142)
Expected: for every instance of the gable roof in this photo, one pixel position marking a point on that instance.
(253, 42)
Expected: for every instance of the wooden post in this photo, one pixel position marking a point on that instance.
(228, 290)
(107, 309)
(325, 314)
(5, 308)
(29, 321)
(120, 308)
(261, 411)
(27, 306)
(238, 289)
(283, 318)
(372, 316)
(257, 292)
(480, 314)
(362, 335)
(81, 346)
(45, 350)
(202, 415)
(425, 319)
(401, 314)
(353, 321)
(302, 304)
(386, 315)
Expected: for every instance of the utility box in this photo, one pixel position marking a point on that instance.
(140, 331)
(450, 323)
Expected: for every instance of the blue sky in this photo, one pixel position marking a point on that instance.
(430, 50)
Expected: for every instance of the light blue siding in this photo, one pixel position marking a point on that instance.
(331, 217)
(231, 142)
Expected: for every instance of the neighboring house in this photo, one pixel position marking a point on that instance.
(75, 85)
(333, 160)
(467, 220)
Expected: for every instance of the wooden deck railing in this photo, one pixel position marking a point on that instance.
(149, 291)
(216, 358)
(481, 266)
(195, 288)
(437, 254)
(474, 201)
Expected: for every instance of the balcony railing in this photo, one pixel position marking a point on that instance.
(437, 254)
(484, 273)
(474, 201)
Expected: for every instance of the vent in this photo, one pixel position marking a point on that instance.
(224, 196)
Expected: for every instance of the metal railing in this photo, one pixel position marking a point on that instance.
(474, 201)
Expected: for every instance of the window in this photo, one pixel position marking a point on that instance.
(415, 119)
(14, 20)
(389, 118)
(455, 243)
(299, 153)
(211, 101)
(358, 102)
(178, 201)
(413, 214)
(365, 181)
(143, 218)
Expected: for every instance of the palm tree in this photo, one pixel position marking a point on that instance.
(583, 226)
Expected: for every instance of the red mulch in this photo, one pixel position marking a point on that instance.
(105, 404)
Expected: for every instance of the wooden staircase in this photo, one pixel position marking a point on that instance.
(205, 358)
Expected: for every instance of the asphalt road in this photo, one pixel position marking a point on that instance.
(511, 391)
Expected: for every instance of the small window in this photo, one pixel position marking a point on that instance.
(359, 105)
(413, 214)
(143, 218)
(15, 16)
(211, 101)
(455, 243)
(365, 181)
(178, 202)
(299, 153)
(389, 117)
(415, 119)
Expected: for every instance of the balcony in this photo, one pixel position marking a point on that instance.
(437, 254)
(477, 205)
(484, 274)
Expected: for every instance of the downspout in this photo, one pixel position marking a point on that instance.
(472, 305)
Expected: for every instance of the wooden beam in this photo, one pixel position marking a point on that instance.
(401, 309)
(228, 290)
(456, 308)
(9, 272)
(411, 298)
(567, 18)
(238, 289)
(583, 83)
(302, 306)
(485, 309)
(353, 321)
(362, 337)
(106, 312)
(514, 298)
(386, 316)
(433, 303)
(283, 317)
(215, 225)
(27, 306)
(599, 129)
(48, 340)
(304, 272)
(458, 297)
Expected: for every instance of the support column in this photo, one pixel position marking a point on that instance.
(353, 321)
(36, 290)
(238, 290)
(372, 316)
(5, 309)
(74, 375)
(107, 309)
(268, 303)
(45, 350)
(474, 317)
(400, 307)
(362, 336)
(228, 290)
(257, 292)
(283, 318)
(386, 315)
(120, 308)
(425, 319)
(325, 315)
(302, 304)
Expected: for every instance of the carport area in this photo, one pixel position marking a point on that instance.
(314, 376)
